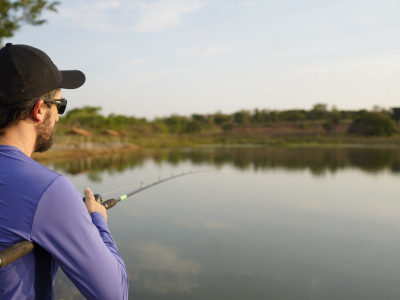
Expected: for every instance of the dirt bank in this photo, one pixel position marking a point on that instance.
(64, 152)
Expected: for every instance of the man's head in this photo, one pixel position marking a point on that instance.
(28, 75)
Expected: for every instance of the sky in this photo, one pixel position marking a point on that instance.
(155, 58)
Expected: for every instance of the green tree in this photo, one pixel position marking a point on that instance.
(263, 117)
(318, 112)
(159, 126)
(220, 118)
(15, 13)
(241, 117)
(396, 114)
(332, 120)
(120, 122)
(193, 126)
(199, 118)
(293, 115)
(87, 117)
(175, 123)
(372, 123)
(257, 117)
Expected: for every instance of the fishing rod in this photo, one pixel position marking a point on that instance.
(22, 248)
(111, 202)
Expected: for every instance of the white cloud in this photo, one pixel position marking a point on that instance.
(360, 66)
(217, 50)
(132, 63)
(196, 52)
(248, 3)
(157, 15)
(126, 15)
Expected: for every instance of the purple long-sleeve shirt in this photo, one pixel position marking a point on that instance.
(42, 206)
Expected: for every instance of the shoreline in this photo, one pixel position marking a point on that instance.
(60, 152)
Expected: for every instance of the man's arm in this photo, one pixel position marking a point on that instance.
(80, 243)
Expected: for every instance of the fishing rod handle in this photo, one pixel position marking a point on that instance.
(14, 252)
(110, 203)
(22, 248)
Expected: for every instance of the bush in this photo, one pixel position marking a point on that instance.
(227, 126)
(193, 127)
(372, 123)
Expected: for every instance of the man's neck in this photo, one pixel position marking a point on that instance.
(21, 136)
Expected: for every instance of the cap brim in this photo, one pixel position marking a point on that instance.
(72, 79)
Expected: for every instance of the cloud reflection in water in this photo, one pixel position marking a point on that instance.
(205, 224)
(159, 269)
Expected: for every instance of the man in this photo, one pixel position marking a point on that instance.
(40, 205)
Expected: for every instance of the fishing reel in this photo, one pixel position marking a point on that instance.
(97, 197)
(107, 204)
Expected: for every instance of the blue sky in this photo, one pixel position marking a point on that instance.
(154, 58)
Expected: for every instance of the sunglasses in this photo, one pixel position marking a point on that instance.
(61, 104)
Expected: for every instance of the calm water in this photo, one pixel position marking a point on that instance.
(264, 223)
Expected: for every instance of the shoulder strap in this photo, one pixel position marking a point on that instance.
(43, 284)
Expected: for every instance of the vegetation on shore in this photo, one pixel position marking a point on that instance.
(84, 132)
(316, 126)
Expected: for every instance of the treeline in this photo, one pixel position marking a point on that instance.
(368, 123)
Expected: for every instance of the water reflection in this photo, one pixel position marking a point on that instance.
(160, 269)
(203, 224)
(317, 160)
(261, 229)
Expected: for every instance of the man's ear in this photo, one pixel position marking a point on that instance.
(39, 111)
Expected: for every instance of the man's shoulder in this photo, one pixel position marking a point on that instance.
(19, 170)
(24, 181)
(16, 161)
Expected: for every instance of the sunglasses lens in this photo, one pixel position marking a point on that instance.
(60, 103)
(61, 108)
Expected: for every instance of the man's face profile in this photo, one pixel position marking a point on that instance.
(45, 133)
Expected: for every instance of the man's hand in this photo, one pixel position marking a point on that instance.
(92, 205)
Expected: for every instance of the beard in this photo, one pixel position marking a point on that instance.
(45, 133)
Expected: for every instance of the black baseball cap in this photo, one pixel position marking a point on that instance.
(27, 73)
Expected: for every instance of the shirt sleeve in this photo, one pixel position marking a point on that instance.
(80, 243)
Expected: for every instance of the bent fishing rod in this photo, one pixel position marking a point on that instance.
(22, 248)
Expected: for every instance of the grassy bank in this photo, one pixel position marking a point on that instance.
(75, 146)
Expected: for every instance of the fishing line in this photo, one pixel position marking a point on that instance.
(141, 184)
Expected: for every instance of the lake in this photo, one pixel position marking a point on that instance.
(260, 223)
